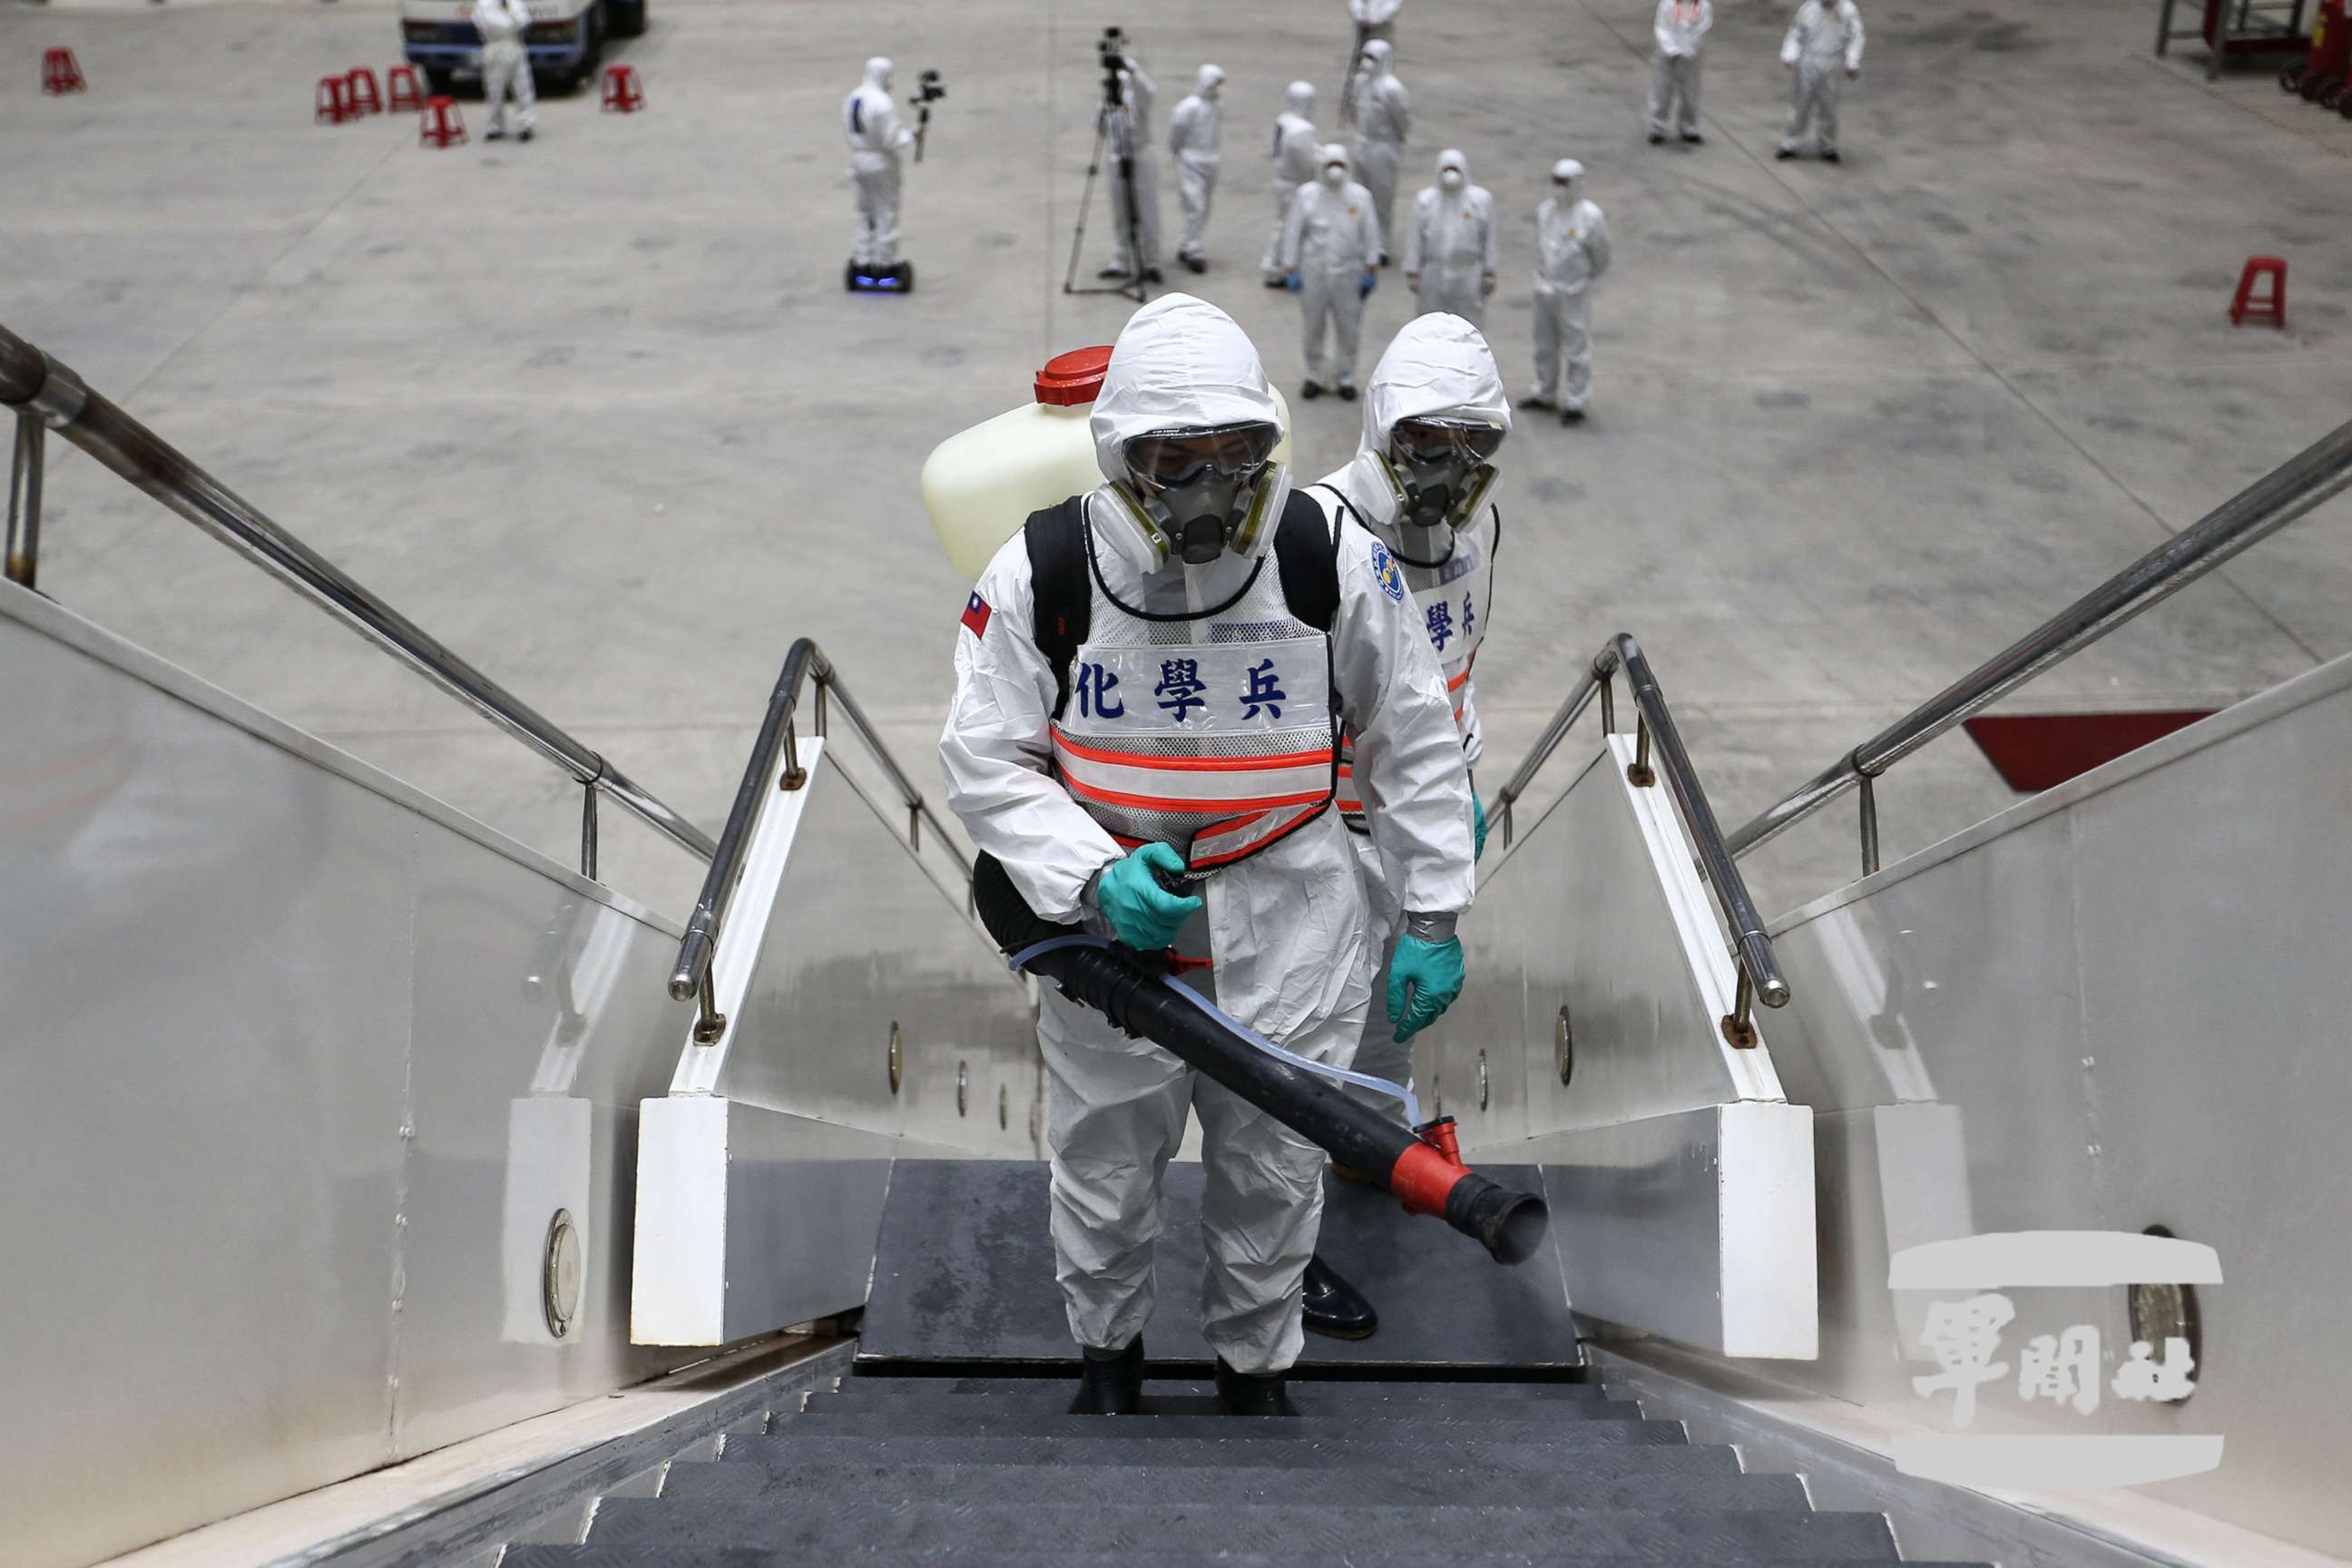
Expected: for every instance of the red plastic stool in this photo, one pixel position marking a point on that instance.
(61, 72)
(2270, 308)
(401, 94)
(440, 124)
(621, 93)
(333, 102)
(364, 98)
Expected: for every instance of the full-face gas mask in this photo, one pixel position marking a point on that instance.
(1441, 471)
(1200, 493)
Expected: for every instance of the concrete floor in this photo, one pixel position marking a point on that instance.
(596, 412)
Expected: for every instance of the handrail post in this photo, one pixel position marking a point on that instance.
(1608, 700)
(710, 1023)
(588, 829)
(1869, 824)
(1638, 772)
(1739, 1024)
(24, 473)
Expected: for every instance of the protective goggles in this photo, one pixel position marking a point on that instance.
(1171, 459)
(1425, 443)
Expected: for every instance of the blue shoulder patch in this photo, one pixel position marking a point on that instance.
(1385, 572)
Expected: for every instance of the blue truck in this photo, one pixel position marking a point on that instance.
(566, 38)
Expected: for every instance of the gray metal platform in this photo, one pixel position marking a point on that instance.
(964, 1276)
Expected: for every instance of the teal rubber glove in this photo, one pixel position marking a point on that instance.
(1478, 825)
(1292, 281)
(1143, 914)
(1424, 978)
(1371, 280)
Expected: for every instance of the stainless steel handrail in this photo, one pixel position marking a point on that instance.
(2312, 476)
(1759, 971)
(33, 384)
(804, 661)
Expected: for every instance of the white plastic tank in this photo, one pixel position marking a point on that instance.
(979, 484)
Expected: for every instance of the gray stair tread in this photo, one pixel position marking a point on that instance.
(1605, 1449)
(1498, 1398)
(1311, 1403)
(963, 1273)
(830, 1528)
(1042, 1423)
(1116, 1485)
(656, 1555)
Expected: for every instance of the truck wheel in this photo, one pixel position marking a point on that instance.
(2332, 95)
(2291, 78)
(2315, 83)
(627, 17)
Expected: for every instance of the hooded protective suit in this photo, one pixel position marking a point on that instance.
(1679, 27)
(1332, 242)
(1284, 929)
(1823, 47)
(869, 119)
(1384, 114)
(506, 64)
(1451, 252)
(1298, 152)
(1132, 128)
(1438, 366)
(1193, 140)
(1377, 16)
(1572, 252)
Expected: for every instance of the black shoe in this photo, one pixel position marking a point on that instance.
(1311, 391)
(1111, 1383)
(494, 134)
(1346, 393)
(1537, 400)
(1113, 271)
(1694, 138)
(1194, 263)
(1784, 153)
(1248, 1393)
(1657, 136)
(525, 135)
(1331, 1306)
(1829, 157)
(1571, 415)
(1151, 274)
(1277, 282)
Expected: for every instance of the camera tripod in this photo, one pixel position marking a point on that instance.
(1111, 130)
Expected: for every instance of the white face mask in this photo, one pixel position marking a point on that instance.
(1450, 178)
(1335, 176)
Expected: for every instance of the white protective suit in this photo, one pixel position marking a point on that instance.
(1132, 131)
(1332, 242)
(1383, 115)
(1286, 929)
(1823, 47)
(1377, 18)
(1192, 142)
(1437, 366)
(506, 64)
(1571, 253)
(1451, 252)
(1679, 27)
(1298, 152)
(870, 117)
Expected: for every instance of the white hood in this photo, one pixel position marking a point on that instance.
(880, 72)
(1208, 81)
(1300, 100)
(1179, 364)
(1438, 364)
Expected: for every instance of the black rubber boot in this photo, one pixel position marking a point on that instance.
(1111, 1383)
(1252, 1393)
(1331, 1306)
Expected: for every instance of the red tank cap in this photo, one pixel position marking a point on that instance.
(1074, 377)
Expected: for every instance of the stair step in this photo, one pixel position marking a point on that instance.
(1114, 1485)
(828, 1529)
(656, 1555)
(1600, 1449)
(1310, 1402)
(1398, 1389)
(1595, 1424)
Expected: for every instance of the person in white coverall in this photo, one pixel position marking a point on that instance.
(869, 119)
(1383, 115)
(1130, 128)
(1191, 674)
(1375, 18)
(1571, 253)
(1329, 250)
(506, 66)
(1423, 482)
(1452, 253)
(1192, 142)
(1825, 49)
(1298, 150)
(1680, 27)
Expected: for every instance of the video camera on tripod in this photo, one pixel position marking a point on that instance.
(1114, 128)
(1111, 49)
(930, 89)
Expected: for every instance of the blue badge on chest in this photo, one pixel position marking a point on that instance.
(1385, 572)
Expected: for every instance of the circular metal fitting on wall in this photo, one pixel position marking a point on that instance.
(1485, 1086)
(2162, 1312)
(560, 1274)
(1563, 1046)
(897, 1057)
(963, 1088)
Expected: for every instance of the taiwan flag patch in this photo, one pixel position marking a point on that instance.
(975, 614)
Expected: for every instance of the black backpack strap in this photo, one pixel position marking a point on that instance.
(1307, 552)
(1061, 598)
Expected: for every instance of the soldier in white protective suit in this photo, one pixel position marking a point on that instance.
(1422, 483)
(1143, 748)
(1383, 115)
(506, 66)
(1130, 128)
(1452, 253)
(1192, 142)
(1571, 253)
(1679, 27)
(1298, 150)
(1825, 49)
(1329, 248)
(870, 117)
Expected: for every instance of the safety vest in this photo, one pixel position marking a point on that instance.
(1217, 732)
(1454, 597)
